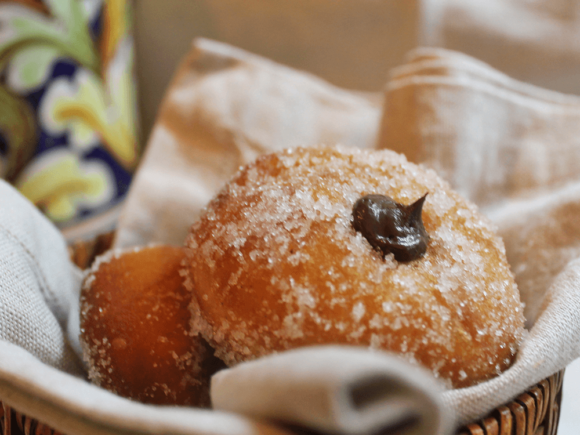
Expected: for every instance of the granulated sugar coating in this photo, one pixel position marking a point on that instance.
(135, 329)
(274, 264)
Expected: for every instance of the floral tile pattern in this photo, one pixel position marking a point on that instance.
(68, 136)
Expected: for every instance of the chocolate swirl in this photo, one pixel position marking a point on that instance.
(391, 227)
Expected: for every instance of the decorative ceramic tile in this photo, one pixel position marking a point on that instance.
(67, 104)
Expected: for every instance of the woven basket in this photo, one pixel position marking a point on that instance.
(534, 412)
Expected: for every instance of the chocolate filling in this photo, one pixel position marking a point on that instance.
(391, 227)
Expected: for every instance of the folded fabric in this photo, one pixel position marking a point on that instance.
(497, 141)
(492, 137)
(533, 41)
(542, 235)
(515, 150)
(335, 390)
(73, 406)
(224, 108)
(39, 286)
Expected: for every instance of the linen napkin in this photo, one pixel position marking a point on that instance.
(541, 234)
(225, 107)
(514, 149)
(39, 286)
(75, 407)
(335, 389)
(492, 137)
(533, 41)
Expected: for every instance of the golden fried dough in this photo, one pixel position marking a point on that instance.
(275, 263)
(135, 329)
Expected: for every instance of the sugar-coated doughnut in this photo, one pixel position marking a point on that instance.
(275, 263)
(135, 329)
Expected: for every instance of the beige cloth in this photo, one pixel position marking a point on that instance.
(536, 41)
(552, 344)
(224, 108)
(75, 407)
(514, 149)
(336, 389)
(492, 137)
(510, 147)
(542, 234)
(38, 284)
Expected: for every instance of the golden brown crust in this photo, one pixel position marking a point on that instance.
(135, 329)
(275, 264)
